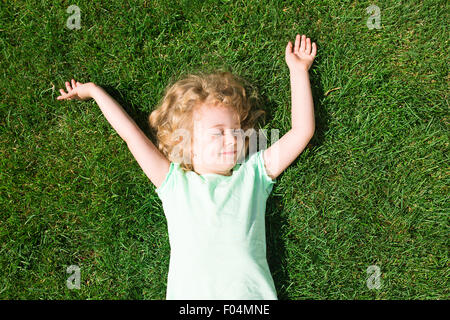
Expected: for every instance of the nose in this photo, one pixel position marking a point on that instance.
(230, 139)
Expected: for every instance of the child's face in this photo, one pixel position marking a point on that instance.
(216, 132)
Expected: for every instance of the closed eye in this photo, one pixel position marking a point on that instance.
(234, 132)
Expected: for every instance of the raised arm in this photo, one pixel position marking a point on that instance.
(283, 152)
(154, 164)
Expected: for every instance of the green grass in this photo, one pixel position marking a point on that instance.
(371, 188)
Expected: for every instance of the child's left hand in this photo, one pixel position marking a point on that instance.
(303, 55)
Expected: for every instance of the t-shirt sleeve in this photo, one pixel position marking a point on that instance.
(261, 172)
(167, 181)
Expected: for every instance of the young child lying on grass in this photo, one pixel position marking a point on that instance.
(214, 194)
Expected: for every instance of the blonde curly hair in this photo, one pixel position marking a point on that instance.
(175, 110)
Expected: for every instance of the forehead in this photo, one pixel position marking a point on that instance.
(212, 115)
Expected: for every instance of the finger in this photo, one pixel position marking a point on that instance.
(303, 43)
(67, 96)
(63, 95)
(308, 46)
(297, 43)
(314, 49)
(68, 86)
(79, 83)
(74, 84)
(289, 48)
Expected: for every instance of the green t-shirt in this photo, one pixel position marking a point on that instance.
(216, 228)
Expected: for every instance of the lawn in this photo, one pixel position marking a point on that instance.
(370, 191)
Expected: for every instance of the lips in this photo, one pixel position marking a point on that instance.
(229, 152)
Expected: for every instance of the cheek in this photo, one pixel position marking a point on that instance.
(208, 147)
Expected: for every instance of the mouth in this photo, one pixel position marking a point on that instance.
(229, 153)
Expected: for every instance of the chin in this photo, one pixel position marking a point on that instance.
(225, 164)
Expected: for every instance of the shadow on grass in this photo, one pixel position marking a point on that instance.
(140, 117)
(276, 216)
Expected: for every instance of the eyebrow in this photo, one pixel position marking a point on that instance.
(221, 125)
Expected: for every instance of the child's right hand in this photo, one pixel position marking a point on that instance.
(77, 91)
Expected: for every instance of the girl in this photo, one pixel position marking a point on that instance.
(213, 201)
